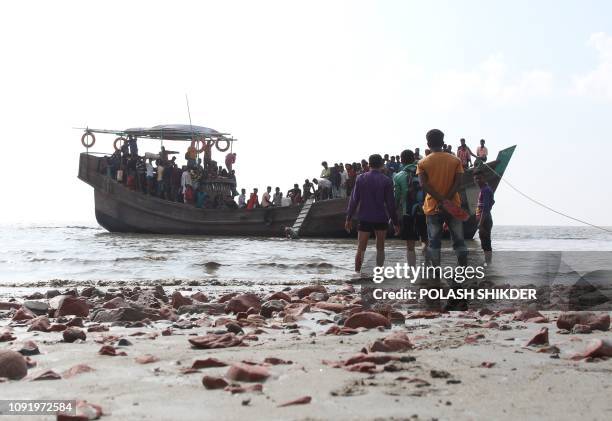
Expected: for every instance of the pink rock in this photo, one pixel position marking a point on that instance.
(9, 306)
(597, 348)
(471, 339)
(524, 315)
(77, 369)
(84, 411)
(367, 319)
(247, 373)
(39, 324)
(365, 367)
(57, 327)
(425, 314)
(47, 375)
(212, 382)
(279, 296)
(23, 314)
(370, 358)
(12, 365)
(72, 306)
(200, 296)
(334, 307)
(73, 333)
(299, 401)
(116, 302)
(7, 336)
(207, 363)
(146, 359)
(212, 341)
(242, 303)
(244, 389)
(540, 338)
(178, 300)
(306, 291)
(487, 364)
(395, 342)
(110, 351)
(596, 321)
(341, 331)
(296, 309)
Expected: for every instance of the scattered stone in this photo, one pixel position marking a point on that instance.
(73, 333)
(247, 373)
(39, 324)
(178, 300)
(276, 361)
(208, 363)
(395, 342)
(439, 374)
(77, 369)
(487, 364)
(596, 321)
(581, 329)
(7, 336)
(84, 411)
(124, 342)
(597, 348)
(473, 338)
(22, 314)
(213, 382)
(234, 328)
(212, 341)
(368, 320)
(29, 348)
(540, 338)
(12, 365)
(200, 296)
(110, 351)
(272, 306)
(47, 375)
(242, 303)
(299, 401)
(527, 315)
(333, 307)
(37, 307)
(425, 314)
(146, 359)
(306, 291)
(244, 389)
(71, 306)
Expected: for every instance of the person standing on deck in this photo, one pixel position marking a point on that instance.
(417, 155)
(440, 176)
(186, 183)
(373, 194)
(464, 154)
(277, 199)
(307, 189)
(409, 201)
(343, 180)
(266, 201)
(242, 199)
(482, 152)
(325, 172)
(253, 200)
(150, 176)
(486, 200)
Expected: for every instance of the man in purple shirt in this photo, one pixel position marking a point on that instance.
(373, 194)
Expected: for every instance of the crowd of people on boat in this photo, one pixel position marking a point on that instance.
(337, 181)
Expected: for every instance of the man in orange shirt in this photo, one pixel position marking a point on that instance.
(440, 176)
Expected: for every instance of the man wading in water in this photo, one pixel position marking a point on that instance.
(373, 193)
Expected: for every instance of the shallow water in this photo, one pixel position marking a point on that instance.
(40, 253)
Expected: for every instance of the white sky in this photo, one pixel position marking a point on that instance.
(300, 82)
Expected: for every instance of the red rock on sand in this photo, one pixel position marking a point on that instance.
(244, 389)
(207, 363)
(111, 351)
(178, 300)
(367, 319)
(299, 401)
(296, 309)
(47, 375)
(525, 315)
(370, 358)
(28, 348)
(225, 298)
(57, 327)
(540, 338)
(334, 307)
(166, 332)
(539, 319)
(279, 296)
(7, 336)
(116, 302)
(39, 324)
(423, 315)
(71, 306)
(596, 321)
(200, 296)
(306, 291)
(365, 367)
(581, 329)
(597, 348)
(491, 325)
(84, 411)
(247, 373)
(395, 342)
(12, 365)
(471, 339)
(97, 328)
(73, 333)
(75, 322)
(77, 369)
(276, 361)
(146, 359)
(212, 341)
(212, 382)
(23, 314)
(341, 331)
(9, 306)
(242, 303)
(487, 364)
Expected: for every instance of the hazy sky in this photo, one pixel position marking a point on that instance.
(299, 82)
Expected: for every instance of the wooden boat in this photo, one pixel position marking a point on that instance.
(119, 209)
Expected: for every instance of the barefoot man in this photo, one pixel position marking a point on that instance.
(373, 194)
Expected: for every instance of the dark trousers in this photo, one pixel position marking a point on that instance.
(484, 232)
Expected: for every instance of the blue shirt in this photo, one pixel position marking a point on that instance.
(373, 193)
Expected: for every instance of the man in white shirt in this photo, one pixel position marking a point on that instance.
(482, 152)
(150, 176)
(185, 181)
(242, 199)
(265, 199)
(277, 199)
(343, 178)
(324, 188)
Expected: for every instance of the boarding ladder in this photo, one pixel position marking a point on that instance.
(297, 225)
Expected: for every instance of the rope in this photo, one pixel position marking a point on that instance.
(537, 202)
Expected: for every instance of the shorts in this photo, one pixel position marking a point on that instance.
(414, 227)
(372, 226)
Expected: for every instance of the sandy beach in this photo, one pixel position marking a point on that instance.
(460, 365)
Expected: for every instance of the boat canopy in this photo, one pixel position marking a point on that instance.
(185, 132)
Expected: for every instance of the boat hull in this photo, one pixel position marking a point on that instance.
(119, 209)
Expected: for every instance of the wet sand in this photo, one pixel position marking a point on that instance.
(450, 377)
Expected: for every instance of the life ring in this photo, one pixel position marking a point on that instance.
(84, 138)
(123, 139)
(227, 145)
